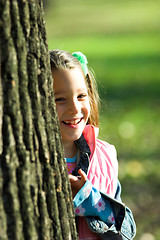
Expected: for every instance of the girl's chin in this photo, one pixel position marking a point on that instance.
(72, 133)
(71, 137)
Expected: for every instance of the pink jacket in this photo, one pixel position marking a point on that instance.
(102, 172)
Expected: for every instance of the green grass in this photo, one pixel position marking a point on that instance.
(121, 40)
(66, 18)
(126, 44)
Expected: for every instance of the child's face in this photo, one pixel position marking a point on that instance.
(72, 102)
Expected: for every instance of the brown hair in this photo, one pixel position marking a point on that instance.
(60, 59)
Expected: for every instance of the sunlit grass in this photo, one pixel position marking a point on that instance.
(119, 45)
(66, 18)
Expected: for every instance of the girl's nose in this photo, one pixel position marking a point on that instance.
(73, 106)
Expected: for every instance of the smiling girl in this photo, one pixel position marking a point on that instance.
(92, 163)
(73, 107)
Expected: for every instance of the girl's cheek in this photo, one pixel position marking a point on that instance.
(58, 108)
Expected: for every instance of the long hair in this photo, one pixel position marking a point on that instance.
(60, 59)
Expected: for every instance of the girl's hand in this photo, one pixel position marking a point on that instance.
(77, 182)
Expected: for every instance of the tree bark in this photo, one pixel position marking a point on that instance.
(35, 195)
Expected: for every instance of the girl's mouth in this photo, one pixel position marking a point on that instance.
(72, 122)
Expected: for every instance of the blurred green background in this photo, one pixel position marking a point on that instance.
(121, 39)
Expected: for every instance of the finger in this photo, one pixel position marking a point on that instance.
(72, 178)
(82, 174)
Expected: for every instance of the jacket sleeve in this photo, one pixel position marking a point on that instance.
(124, 227)
(90, 202)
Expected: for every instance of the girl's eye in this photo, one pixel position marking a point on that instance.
(59, 100)
(83, 95)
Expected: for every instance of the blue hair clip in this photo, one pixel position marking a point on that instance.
(83, 61)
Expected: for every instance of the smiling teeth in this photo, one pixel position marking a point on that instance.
(72, 122)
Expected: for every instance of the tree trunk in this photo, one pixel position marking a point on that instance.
(35, 195)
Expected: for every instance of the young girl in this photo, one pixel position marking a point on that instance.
(92, 163)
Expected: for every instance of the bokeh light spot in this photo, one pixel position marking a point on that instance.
(126, 130)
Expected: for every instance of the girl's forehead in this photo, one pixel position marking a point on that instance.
(69, 78)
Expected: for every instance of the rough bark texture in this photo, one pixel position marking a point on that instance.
(35, 195)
